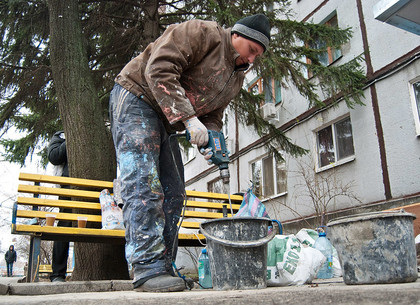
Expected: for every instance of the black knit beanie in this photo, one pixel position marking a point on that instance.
(255, 28)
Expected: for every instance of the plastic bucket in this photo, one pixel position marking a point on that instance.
(375, 248)
(237, 250)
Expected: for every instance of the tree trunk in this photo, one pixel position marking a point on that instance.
(151, 23)
(89, 144)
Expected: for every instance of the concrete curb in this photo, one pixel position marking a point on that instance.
(5, 283)
(4, 289)
(45, 288)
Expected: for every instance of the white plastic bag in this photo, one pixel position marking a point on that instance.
(289, 262)
(112, 218)
(307, 237)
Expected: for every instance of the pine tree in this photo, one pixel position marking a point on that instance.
(116, 31)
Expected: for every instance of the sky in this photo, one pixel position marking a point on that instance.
(9, 175)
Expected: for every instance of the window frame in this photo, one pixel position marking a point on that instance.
(333, 124)
(186, 158)
(276, 91)
(415, 103)
(275, 95)
(275, 180)
(225, 127)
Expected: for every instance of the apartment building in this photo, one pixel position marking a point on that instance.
(360, 159)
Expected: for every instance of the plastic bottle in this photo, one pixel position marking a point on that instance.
(204, 273)
(323, 244)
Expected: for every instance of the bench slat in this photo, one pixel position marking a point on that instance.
(59, 216)
(207, 215)
(34, 189)
(208, 195)
(191, 224)
(58, 203)
(211, 205)
(48, 269)
(70, 231)
(65, 180)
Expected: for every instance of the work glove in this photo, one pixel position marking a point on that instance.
(197, 131)
(207, 153)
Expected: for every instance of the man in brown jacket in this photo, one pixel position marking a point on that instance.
(183, 80)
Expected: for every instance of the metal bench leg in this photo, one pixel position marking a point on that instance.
(33, 263)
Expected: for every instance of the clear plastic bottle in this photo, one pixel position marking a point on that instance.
(204, 273)
(323, 244)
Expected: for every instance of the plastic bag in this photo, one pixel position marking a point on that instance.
(308, 237)
(251, 206)
(112, 218)
(117, 193)
(291, 263)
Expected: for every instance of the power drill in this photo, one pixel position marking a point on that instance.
(220, 155)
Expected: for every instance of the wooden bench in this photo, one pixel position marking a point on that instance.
(38, 195)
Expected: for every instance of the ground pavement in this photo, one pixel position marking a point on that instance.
(332, 291)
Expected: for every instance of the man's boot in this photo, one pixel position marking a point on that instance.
(162, 283)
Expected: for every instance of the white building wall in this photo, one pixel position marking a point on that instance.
(367, 165)
(401, 141)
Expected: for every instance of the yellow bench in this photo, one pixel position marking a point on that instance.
(48, 269)
(85, 202)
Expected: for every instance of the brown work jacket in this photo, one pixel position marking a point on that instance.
(189, 70)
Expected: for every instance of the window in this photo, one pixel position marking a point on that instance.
(331, 55)
(188, 153)
(269, 177)
(225, 128)
(272, 91)
(335, 143)
(216, 186)
(415, 92)
(256, 87)
(270, 88)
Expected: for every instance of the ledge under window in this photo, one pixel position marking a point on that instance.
(335, 164)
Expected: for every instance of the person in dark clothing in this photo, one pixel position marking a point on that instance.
(10, 257)
(182, 81)
(57, 155)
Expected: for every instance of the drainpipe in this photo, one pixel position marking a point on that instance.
(375, 104)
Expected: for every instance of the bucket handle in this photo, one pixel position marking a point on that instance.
(240, 244)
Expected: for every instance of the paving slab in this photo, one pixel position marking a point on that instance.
(323, 292)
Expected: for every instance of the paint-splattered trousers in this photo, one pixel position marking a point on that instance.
(151, 186)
